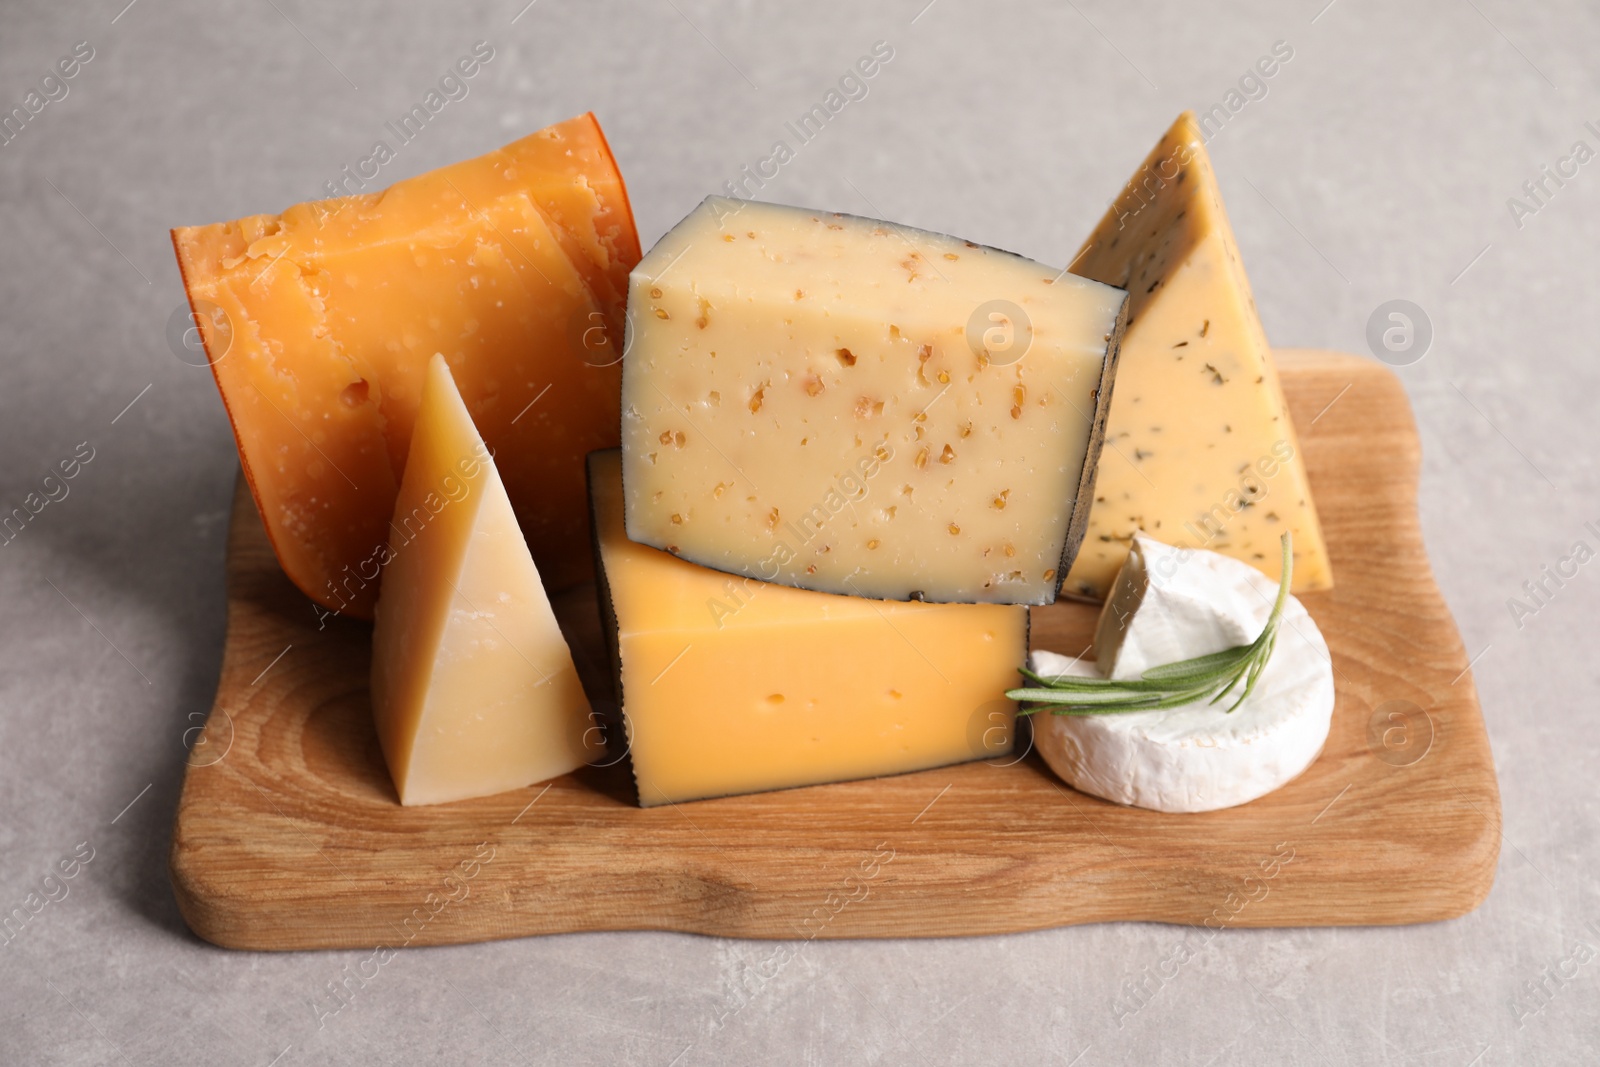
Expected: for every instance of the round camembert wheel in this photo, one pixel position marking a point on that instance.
(1198, 757)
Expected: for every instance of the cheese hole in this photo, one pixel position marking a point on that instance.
(355, 394)
(775, 699)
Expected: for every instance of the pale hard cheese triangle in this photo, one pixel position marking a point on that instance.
(473, 687)
(731, 685)
(1200, 451)
(847, 406)
(1200, 757)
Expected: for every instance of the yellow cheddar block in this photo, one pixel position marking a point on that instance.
(1199, 449)
(473, 687)
(730, 685)
(319, 323)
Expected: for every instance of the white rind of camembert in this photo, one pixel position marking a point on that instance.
(1197, 757)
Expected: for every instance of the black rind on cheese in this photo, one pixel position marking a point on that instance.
(1078, 525)
(614, 721)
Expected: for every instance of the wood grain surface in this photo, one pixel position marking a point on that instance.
(289, 835)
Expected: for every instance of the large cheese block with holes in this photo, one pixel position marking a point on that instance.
(473, 686)
(1200, 451)
(852, 407)
(319, 322)
(736, 686)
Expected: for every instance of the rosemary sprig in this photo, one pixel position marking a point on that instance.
(1170, 685)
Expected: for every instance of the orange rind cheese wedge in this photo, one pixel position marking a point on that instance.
(319, 324)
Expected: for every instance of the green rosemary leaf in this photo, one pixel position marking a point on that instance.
(1099, 696)
(1032, 677)
(1072, 683)
(1200, 665)
(1170, 685)
(1141, 702)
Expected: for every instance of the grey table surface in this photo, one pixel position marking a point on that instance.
(1386, 159)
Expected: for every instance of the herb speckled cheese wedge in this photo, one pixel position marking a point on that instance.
(1200, 451)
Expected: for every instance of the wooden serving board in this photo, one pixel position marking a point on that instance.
(289, 835)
